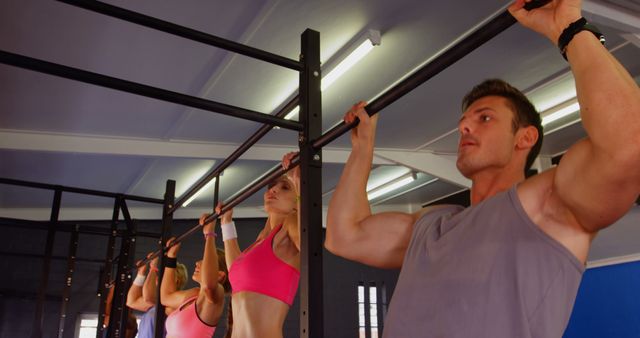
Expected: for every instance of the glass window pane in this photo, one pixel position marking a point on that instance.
(89, 322)
(361, 294)
(87, 332)
(372, 294)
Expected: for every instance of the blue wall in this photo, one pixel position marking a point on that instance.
(608, 303)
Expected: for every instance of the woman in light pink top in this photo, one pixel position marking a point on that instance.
(199, 309)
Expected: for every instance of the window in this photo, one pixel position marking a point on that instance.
(368, 305)
(361, 315)
(88, 326)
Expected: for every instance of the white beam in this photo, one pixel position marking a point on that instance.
(613, 261)
(633, 38)
(441, 166)
(155, 213)
(54, 142)
(611, 15)
(542, 163)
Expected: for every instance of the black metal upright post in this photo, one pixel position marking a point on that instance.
(46, 264)
(311, 296)
(103, 292)
(382, 306)
(119, 310)
(216, 191)
(66, 293)
(167, 220)
(367, 310)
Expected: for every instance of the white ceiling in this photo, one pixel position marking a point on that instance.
(58, 131)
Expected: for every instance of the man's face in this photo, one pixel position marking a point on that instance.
(486, 140)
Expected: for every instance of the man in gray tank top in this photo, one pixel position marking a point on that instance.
(510, 265)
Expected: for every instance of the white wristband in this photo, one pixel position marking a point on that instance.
(139, 281)
(229, 231)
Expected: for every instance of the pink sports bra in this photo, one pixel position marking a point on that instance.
(259, 270)
(185, 322)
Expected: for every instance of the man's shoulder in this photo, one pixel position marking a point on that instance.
(436, 209)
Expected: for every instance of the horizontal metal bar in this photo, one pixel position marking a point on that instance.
(253, 139)
(62, 226)
(454, 53)
(143, 90)
(78, 190)
(22, 294)
(188, 33)
(60, 258)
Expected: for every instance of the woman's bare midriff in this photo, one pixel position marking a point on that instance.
(254, 315)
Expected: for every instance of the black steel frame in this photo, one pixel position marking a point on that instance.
(124, 260)
(311, 141)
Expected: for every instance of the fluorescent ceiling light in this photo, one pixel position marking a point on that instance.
(199, 192)
(560, 111)
(346, 64)
(293, 113)
(372, 39)
(391, 186)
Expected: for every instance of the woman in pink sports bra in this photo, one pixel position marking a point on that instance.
(264, 278)
(199, 309)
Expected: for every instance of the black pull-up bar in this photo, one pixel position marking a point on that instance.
(142, 89)
(456, 52)
(188, 33)
(450, 56)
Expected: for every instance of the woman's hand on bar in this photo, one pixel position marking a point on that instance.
(173, 250)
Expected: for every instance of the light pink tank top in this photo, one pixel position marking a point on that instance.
(185, 322)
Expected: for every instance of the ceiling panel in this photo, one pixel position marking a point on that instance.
(98, 172)
(620, 239)
(40, 102)
(185, 172)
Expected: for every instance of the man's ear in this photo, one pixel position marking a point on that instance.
(526, 137)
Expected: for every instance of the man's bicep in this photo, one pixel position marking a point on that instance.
(596, 189)
(383, 239)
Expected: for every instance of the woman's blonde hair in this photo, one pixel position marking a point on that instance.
(181, 276)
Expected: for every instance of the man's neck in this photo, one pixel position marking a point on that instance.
(489, 183)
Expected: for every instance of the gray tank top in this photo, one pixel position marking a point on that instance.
(484, 271)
